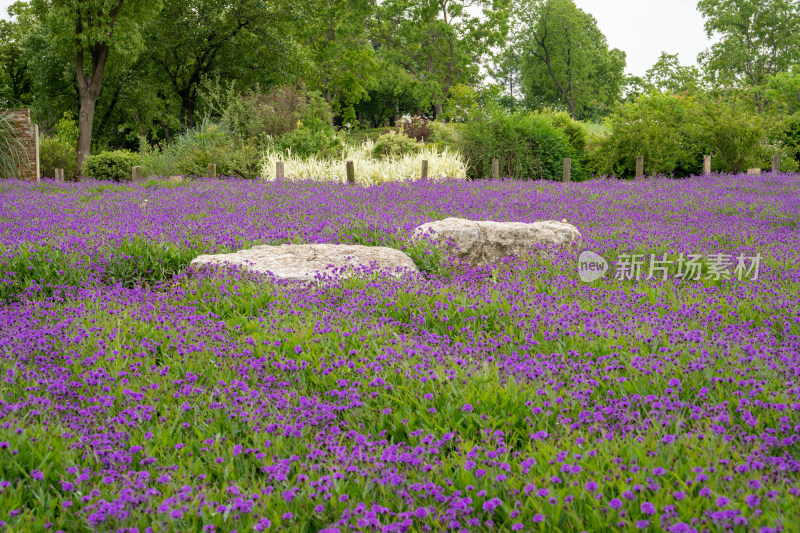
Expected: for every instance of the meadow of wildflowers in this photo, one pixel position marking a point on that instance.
(136, 395)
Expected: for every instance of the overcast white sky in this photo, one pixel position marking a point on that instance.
(641, 28)
(645, 28)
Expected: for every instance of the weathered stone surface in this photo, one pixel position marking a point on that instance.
(302, 262)
(481, 243)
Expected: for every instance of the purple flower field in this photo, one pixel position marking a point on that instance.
(137, 395)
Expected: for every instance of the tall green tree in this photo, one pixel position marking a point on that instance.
(15, 80)
(336, 36)
(97, 31)
(393, 95)
(756, 39)
(244, 41)
(668, 75)
(782, 91)
(566, 60)
(505, 68)
(440, 42)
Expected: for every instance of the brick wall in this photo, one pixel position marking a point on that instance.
(29, 135)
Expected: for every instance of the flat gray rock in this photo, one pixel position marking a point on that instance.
(302, 262)
(484, 242)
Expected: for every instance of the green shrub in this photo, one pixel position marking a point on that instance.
(360, 136)
(725, 128)
(55, 153)
(576, 132)
(674, 131)
(258, 118)
(59, 151)
(67, 131)
(394, 145)
(194, 149)
(231, 161)
(110, 166)
(787, 137)
(156, 161)
(655, 127)
(527, 146)
(306, 142)
(446, 134)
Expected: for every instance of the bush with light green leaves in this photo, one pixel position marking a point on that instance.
(395, 145)
(527, 145)
(110, 166)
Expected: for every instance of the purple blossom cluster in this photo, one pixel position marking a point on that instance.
(512, 397)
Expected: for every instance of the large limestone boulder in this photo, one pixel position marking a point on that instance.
(302, 262)
(484, 242)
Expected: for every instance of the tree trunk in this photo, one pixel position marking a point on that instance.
(85, 124)
(187, 110)
(439, 109)
(89, 88)
(167, 135)
(329, 99)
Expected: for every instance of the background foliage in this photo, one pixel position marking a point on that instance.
(527, 145)
(315, 77)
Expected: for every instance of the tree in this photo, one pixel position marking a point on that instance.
(99, 29)
(782, 91)
(565, 58)
(395, 93)
(668, 75)
(338, 44)
(757, 38)
(440, 42)
(15, 81)
(506, 70)
(244, 41)
(782, 94)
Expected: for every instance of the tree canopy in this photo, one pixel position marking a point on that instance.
(756, 39)
(566, 60)
(141, 69)
(97, 29)
(440, 42)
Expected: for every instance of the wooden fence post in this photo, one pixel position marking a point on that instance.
(36, 151)
(351, 172)
(776, 163)
(424, 170)
(567, 169)
(212, 170)
(136, 173)
(639, 166)
(495, 169)
(279, 171)
(706, 165)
